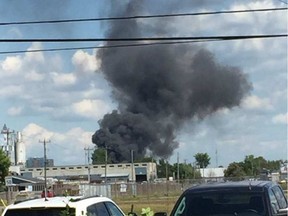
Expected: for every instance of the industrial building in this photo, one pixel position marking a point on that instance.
(138, 172)
(34, 162)
(13, 146)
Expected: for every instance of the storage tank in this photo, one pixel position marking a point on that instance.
(20, 150)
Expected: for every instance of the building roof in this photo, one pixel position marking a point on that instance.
(15, 180)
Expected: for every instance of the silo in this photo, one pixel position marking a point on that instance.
(20, 150)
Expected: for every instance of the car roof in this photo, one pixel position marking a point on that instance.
(256, 186)
(58, 202)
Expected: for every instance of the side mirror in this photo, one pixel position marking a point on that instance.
(160, 214)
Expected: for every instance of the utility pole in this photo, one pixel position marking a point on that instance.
(45, 167)
(178, 167)
(132, 166)
(106, 158)
(88, 160)
(216, 154)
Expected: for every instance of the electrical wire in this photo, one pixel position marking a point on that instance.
(104, 47)
(138, 17)
(65, 40)
(122, 45)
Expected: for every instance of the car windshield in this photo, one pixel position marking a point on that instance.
(224, 203)
(41, 212)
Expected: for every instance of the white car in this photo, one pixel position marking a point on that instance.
(65, 206)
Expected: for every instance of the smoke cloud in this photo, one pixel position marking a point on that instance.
(158, 89)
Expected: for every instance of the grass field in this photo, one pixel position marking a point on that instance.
(156, 204)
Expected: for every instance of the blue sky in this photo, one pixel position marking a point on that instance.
(62, 95)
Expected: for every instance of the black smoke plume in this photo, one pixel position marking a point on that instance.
(158, 88)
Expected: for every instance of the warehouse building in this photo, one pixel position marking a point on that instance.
(138, 172)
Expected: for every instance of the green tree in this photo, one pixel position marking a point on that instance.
(145, 160)
(4, 167)
(98, 156)
(254, 165)
(202, 159)
(186, 171)
(164, 169)
(234, 170)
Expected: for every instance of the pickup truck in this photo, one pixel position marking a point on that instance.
(243, 198)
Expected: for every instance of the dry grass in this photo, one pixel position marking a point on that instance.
(156, 204)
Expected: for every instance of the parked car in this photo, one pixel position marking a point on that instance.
(244, 198)
(64, 206)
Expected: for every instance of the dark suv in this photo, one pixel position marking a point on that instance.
(244, 198)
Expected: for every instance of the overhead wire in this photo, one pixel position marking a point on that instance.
(141, 44)
(104, 46)
(139, 17)
(219, 37)
(168, 40)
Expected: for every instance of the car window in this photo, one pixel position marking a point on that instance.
(273, 201)
(113, 209)
(97, 209)
(221, 203)
(280, 197)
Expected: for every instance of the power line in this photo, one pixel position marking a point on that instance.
(105, 47)
(64, 40)
(138, 17)
(114, 46)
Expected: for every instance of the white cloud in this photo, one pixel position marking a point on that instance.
(280, 119)
(36, 57)
(91, 108)
(37, 83)
(63, 79)
(66, 147)
(256, 103)
(33, 76)
(85, 62)
(11, 65)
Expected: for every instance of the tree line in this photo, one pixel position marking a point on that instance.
(250, 166)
